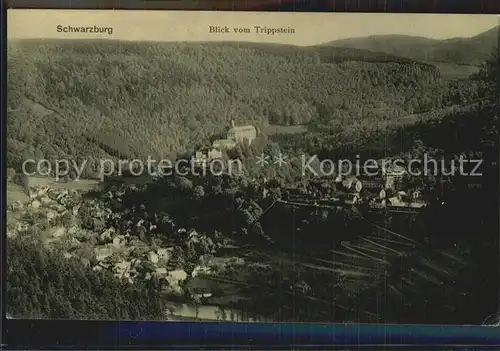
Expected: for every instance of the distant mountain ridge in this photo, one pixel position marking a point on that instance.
(465, 51)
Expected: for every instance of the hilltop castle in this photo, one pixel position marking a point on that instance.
(236, 134)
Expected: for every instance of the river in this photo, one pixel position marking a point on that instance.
(207, 312)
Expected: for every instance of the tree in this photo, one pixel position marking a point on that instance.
(46, 285)
(66, 219)
(257, 229)
(490, 74)
(198, 192)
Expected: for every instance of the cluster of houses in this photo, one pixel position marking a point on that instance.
(385, 188)
(380, 191)
(235, 135)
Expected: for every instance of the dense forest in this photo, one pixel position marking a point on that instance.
(84, 99)
(91, 100)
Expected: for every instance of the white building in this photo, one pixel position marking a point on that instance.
(153, 257)
(241, 133)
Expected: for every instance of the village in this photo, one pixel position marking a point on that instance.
(79, 226)
(381, 192)
(194, 269)
(64, 220)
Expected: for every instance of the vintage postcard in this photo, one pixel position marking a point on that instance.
(218, 166)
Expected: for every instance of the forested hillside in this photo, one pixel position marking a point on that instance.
(466, 51)
(95, 99)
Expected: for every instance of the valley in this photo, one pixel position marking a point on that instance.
(271, 243)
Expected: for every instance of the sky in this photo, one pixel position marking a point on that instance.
(310, 28)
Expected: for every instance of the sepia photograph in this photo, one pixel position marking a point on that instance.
(252, 167)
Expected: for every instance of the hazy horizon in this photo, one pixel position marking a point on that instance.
(182, 26)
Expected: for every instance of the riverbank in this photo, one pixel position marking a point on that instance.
(191, 312)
